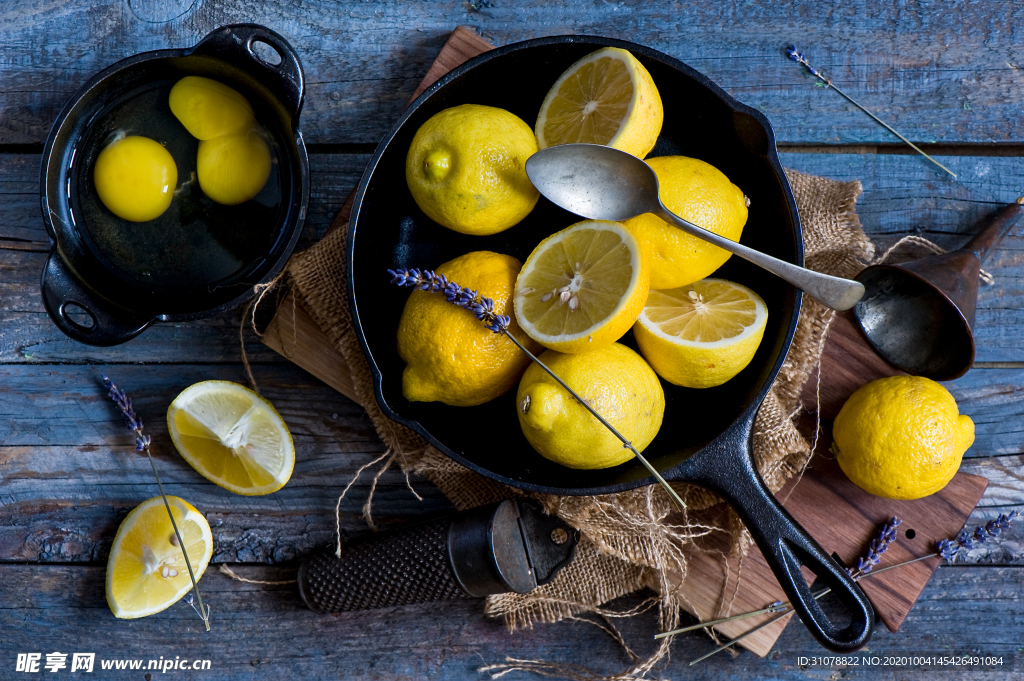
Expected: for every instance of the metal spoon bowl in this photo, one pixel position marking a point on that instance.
(602, 183)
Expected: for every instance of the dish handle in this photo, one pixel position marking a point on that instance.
(93, 323)
(728, 469)
(236, 43)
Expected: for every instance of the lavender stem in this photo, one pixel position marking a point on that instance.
(142, 443)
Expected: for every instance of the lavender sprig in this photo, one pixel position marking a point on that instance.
(142, 443)
(947, 549)
(426, 280)
(951, 549)
(886, 535)
(799, 58)
(483, 309)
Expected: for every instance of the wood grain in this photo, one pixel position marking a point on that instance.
(950, 76)
(263, 632)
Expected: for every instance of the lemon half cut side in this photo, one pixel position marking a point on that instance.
(701, 335)
(232, 437)
(146, 571)
(583, 287)
(607, 97)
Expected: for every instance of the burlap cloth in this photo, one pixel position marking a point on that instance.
(628, 540)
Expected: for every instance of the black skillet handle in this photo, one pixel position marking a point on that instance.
(729, 470)
(234, 44)
(62, 293)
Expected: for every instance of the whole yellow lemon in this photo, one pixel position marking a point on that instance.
(450, 355)
(698, 192)
(901, 437)
(615, 381)
(466, 169)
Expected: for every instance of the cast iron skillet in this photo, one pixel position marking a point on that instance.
(119, 302)
(706, 434)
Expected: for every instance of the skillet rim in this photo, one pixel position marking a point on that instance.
(746, 415)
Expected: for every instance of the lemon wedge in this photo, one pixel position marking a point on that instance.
(146, 572)
(232, 437)
(583, 287)
(607, 97)
(703, 334)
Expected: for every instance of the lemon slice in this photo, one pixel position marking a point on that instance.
(703, 334)
(607, 97)
(232, 436)
(146, 572)
(583, 287)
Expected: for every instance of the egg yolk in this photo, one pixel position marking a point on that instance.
(208, 108)
(233, 168)
(135, 178)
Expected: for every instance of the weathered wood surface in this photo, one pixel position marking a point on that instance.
(263, 632)
(948, 73)
(68, 474)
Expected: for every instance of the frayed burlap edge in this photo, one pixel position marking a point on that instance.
(628, 540)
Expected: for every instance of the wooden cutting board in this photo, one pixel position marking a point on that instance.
(839, 515)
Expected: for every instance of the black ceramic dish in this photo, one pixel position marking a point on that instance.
(706, 435)
(121, 287)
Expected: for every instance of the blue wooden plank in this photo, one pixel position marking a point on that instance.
(69, 472)
(263, 632)
(947, 75)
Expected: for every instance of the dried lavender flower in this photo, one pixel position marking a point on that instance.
(426, 280)
(886, 535)
(799, 58)
(142, 443)
(951, 549)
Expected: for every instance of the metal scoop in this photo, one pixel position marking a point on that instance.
(919, 315)
(602, 183)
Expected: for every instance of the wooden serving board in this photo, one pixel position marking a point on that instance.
(840, 516)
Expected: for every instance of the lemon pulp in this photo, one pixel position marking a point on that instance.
(146, 571)
(607, 97)
(582, 287)
(701, 335)
(232, 437)
(135, 178)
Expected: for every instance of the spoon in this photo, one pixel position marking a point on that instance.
(602, 183)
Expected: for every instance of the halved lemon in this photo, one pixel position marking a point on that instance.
(607, 97)
(703, 334)
(583, 287)
(146, 572)
(232, 437)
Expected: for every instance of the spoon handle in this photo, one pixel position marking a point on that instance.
(834, 292)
